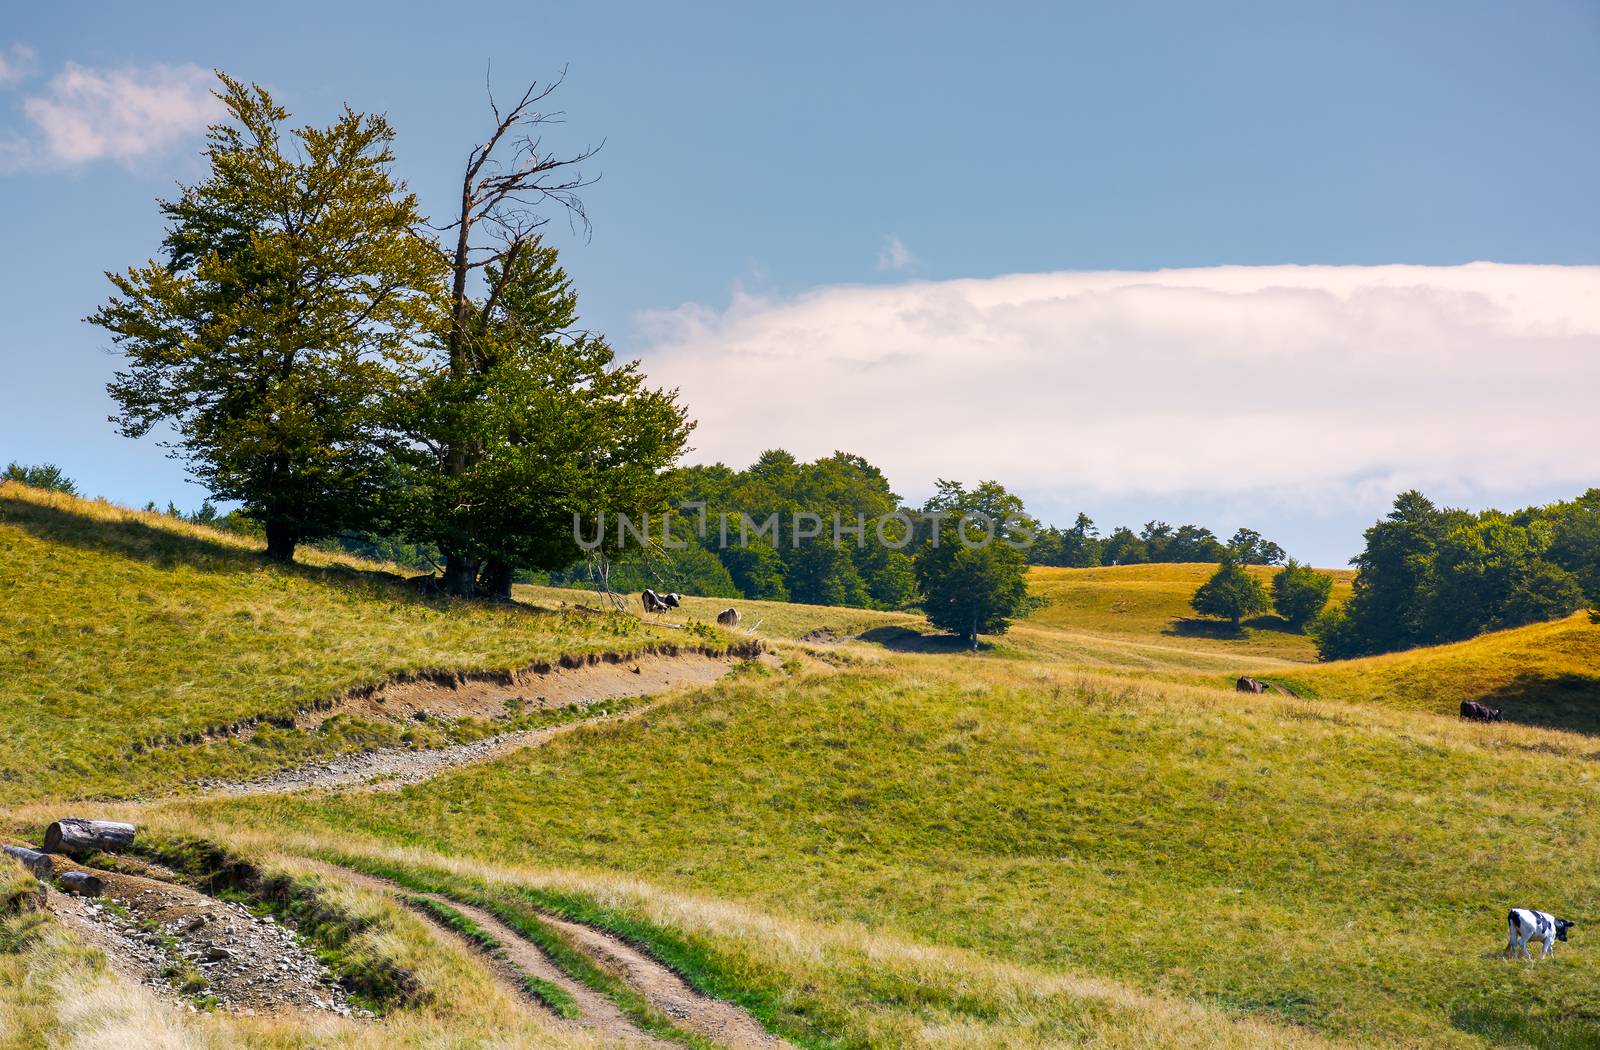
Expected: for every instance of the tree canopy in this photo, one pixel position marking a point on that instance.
(1231, 593)
(283, 320)
(1430, 575)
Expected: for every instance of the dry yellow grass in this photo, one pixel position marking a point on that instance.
(1151, 602)
(1545, 674)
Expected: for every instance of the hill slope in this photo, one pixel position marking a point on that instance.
(1076, 835)
(1546, 674)
(128, 636)
(1151, 602)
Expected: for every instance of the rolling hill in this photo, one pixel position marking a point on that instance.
(866, 838)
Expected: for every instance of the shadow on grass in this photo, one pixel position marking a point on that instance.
(911, 640)
(1499, 1024)
(167, 548)
(1198, 627)
(1564, 701)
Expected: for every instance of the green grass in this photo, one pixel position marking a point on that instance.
(554, 997)
(772, 620)
(1151, 602)
(1347, 875)
(567, 958)
(1073, 836)
(126, 637)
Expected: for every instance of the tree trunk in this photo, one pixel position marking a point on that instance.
(281, 541)
(460, 576)
(495, 580)
(39, 863)
(74, 835)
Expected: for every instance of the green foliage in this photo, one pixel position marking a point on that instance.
(1431, 575)
(1124, 547)
(1249, 547)
(533, 423)
(970, 589)
(281, 324)
(1231, 594)
(1299, 593)
(40, 476)
(752, 518)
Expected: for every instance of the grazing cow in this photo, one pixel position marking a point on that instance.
(1473, 711)
(728, 617)
(1525, 924)
(1250, 685)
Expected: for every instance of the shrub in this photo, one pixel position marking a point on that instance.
(1300, 593)
(42, 476)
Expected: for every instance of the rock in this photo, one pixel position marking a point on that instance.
(216, 953)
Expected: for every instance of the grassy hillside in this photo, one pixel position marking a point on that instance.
(125, 631)
(1545, 674)
(1074, 836)
(789, 621)
(1151, 602)
(1347, 873)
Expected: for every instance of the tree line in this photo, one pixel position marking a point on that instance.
(1082, 547)
(1429, 574)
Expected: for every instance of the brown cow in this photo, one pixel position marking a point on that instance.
(1473, 711)
(1250, 685)
(728, 617)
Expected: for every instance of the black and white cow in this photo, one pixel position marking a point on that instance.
(1525, 924)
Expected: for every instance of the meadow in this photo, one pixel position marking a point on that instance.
(1079, 834)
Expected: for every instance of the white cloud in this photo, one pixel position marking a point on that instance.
(895, 256)
(16, 64)
(85, 115)
(1313, 387)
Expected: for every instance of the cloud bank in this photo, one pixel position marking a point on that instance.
(85, 115)
(1316, 388)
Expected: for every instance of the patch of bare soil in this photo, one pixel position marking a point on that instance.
(496, 697)
(200, 950)
(391, 767)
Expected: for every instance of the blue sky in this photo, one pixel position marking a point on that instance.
(763, 164)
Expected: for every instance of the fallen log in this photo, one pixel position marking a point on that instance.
(77, 836)
(36, 862)
(81, 883)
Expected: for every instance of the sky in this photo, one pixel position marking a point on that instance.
(1241, 264)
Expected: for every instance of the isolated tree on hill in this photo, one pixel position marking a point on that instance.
(970, 589)
(281, 322)
(507, 179)
(42, 476)
(1232, 593)
(1300, 593)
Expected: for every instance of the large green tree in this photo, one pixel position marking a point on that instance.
(971, 587)
(281, 322)
(1232, 593)
(556, 427)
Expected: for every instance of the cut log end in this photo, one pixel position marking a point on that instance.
(77, 836)
(81, 883)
